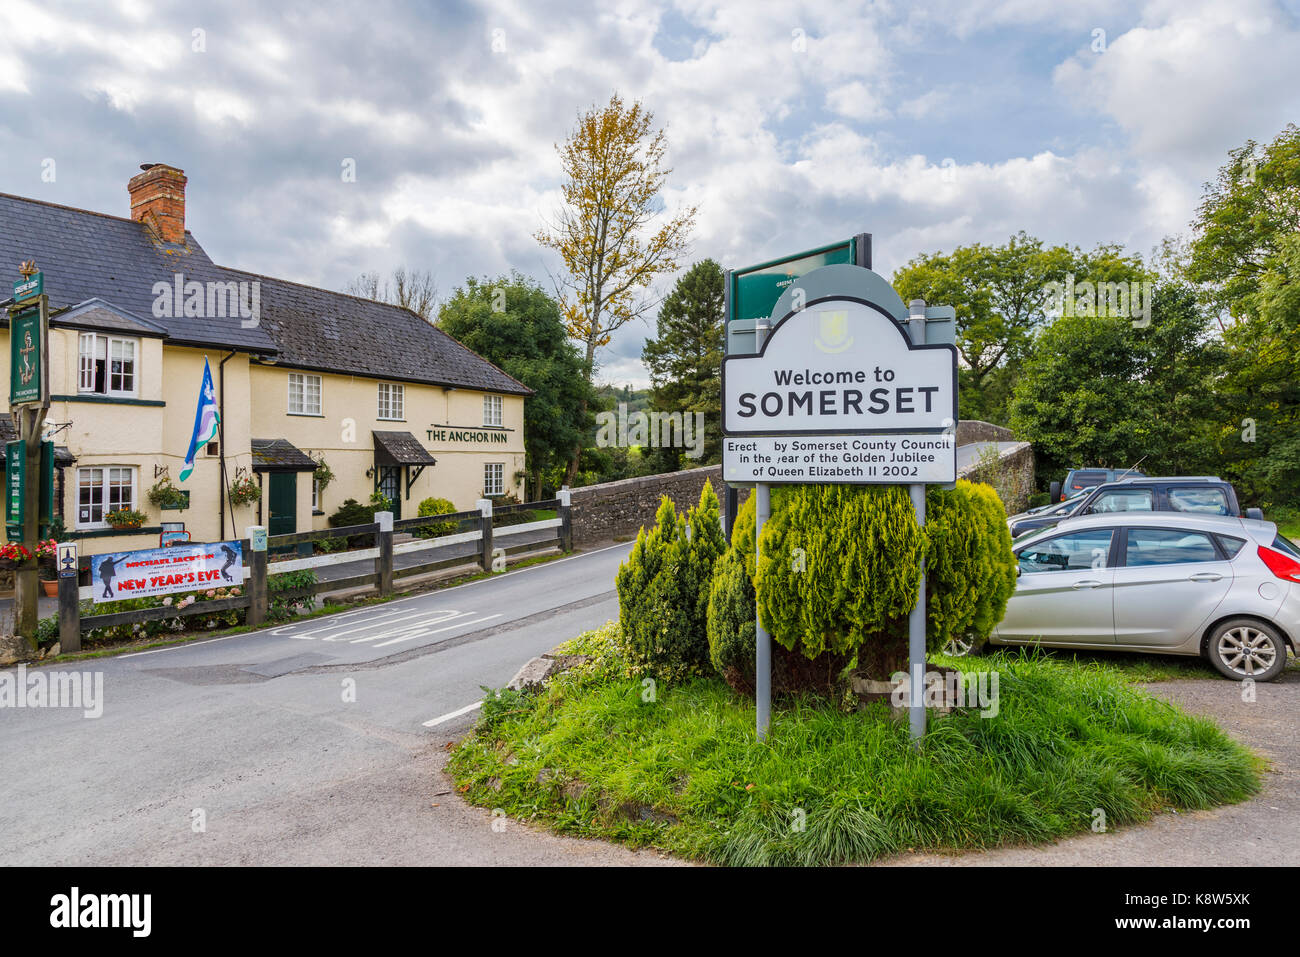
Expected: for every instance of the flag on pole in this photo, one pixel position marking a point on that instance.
(206, 420)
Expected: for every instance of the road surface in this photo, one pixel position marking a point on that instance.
(253, 736)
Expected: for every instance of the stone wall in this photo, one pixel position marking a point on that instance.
(602, 513)
(1013, 478)
(974, 430)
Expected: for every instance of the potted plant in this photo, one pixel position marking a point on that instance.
(244, 491)
(14, 555)
(165, 495)
(125, 518)
(323, 474)
(47, 553)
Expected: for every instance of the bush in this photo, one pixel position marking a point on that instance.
(663, 590)
(352, 512)
(436, 506)
(281, 606)
(838, 578)
(1039, 499)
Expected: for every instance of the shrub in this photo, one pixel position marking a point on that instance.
(838, 578)
(352, 512)
(663, 589)
(1039, 499)
(436, 506)
(282, 606)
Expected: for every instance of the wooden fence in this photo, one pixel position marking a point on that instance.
(491, 529)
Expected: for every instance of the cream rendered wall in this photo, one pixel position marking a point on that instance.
(349, 413)
(145, 436)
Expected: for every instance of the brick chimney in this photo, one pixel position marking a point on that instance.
(158, 200)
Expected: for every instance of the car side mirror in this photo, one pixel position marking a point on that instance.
(1017, 569)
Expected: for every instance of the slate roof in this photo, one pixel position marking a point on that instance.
(98, 314)
(333, 332)
(280, 455)
(86, 255)
(400, 448)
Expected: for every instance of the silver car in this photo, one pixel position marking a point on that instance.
(1165, 582)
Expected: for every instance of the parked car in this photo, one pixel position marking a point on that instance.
(1201, 494)
(1054, 510)
(1076, 480)
(1175, 583)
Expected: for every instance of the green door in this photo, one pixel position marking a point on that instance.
(390, 483)
(282, 503)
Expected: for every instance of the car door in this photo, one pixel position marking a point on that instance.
(1063, 593)
(1168, 584)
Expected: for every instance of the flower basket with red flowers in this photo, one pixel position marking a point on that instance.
(14, 555)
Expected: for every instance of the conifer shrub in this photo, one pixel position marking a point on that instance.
(838, 575)
(663, 590)
(435, 506)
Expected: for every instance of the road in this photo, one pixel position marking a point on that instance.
(254, 735)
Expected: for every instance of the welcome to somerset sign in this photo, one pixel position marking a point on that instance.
(840, 394)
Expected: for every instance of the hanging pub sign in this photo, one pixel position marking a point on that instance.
(15, 489)
(167, 571)
(25, 357)
(839, 394)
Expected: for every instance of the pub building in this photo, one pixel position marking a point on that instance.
(303, 375)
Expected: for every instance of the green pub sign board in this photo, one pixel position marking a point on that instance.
(29, 287)
(15, 488)
(755, 290)
(26, 376)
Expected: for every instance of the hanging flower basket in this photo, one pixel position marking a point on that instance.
(244, 491)
(14, 556)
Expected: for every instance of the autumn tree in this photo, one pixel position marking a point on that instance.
(612, 234)
(413, 289)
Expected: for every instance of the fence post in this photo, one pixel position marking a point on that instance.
(566, 519)
(485, 530)
(258, 594)
(69, 598)
(384, 563)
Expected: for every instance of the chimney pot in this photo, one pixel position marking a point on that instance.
(158, 200)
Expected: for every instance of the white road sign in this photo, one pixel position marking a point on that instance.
(892, 459)
(840, 367)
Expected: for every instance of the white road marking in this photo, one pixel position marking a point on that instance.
(454, 714)
(421, 634)
(370, 624)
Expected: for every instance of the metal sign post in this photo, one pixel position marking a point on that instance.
(841, 384)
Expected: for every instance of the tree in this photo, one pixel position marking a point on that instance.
(415, 290)
(1244, 217)
(513, 323)
(1001, 295)
(685, 357)
(605, 235)
(1102, 391)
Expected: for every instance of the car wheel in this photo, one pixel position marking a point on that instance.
(959, 646)
(1245, 648)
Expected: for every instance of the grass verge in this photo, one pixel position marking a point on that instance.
(588, 756)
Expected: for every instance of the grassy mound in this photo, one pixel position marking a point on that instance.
(590, 756)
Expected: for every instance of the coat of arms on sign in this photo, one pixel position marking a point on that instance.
(833, 331)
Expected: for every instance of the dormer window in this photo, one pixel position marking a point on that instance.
(107, 365)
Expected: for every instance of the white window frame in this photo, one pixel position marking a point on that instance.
(493, 410)
(301, 380)
(315, 494)
(106, 469)
(109, 342)
(495, 478)
(396, 395)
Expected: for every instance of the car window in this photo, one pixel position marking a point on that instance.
(1168, 546)
(1073, 551)
(1084, 479)
(1208, 501)
(1283, 544)
(1231, 546)
(1124, 500)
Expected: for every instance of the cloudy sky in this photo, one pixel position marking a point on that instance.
(928, 124)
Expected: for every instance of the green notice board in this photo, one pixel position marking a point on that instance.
(755, 290)
(15, 488)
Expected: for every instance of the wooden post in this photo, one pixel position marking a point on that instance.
(258, 592)
(485, 531)
(384, 561)
(566, 520)
(69, 602)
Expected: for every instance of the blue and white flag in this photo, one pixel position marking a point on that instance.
(206, 420)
